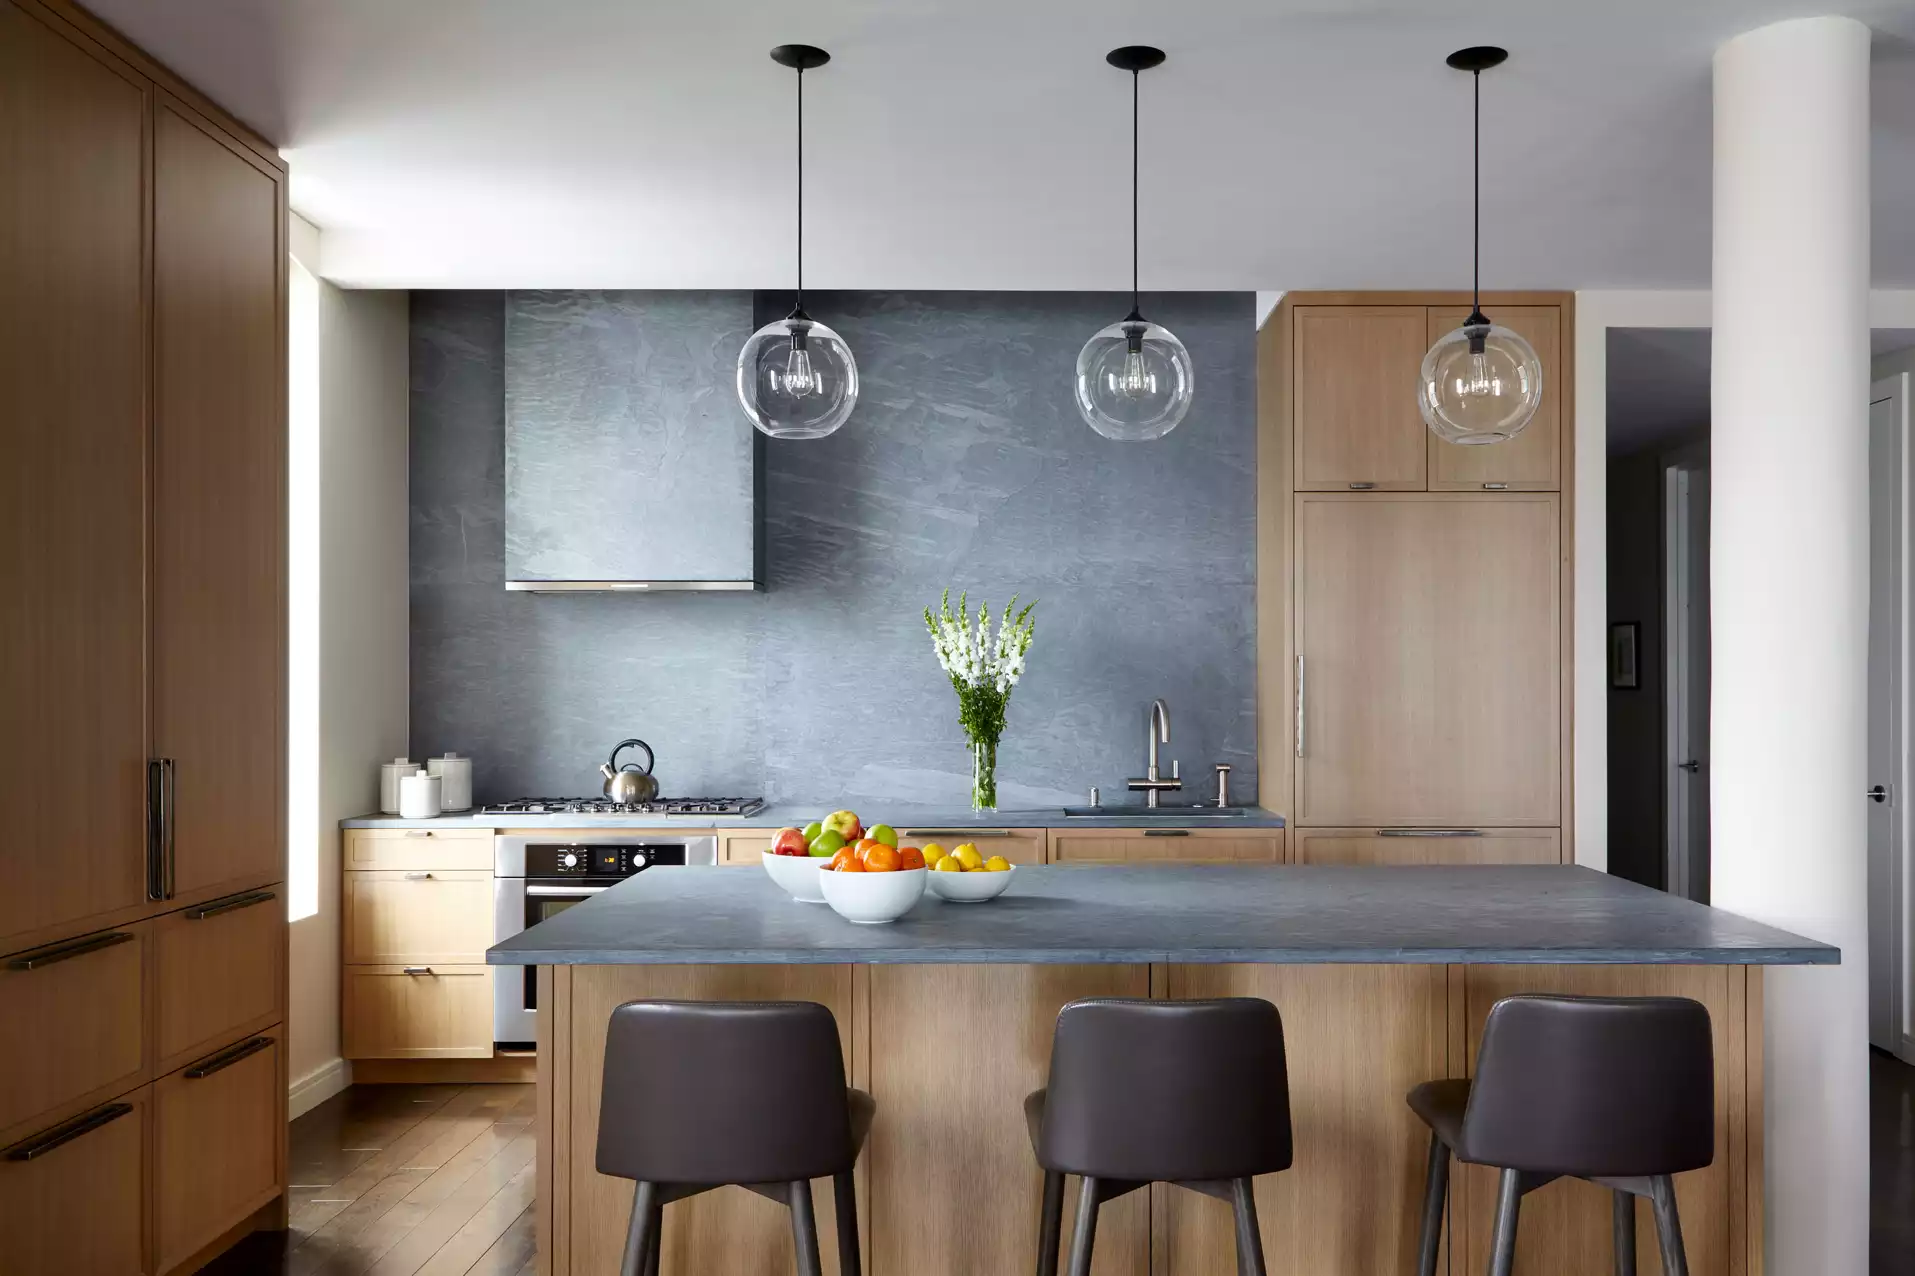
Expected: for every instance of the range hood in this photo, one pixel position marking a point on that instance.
(628, 466)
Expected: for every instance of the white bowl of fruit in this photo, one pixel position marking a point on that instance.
(965, 875)
(862, 873)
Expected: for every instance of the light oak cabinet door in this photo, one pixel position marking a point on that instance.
(75, 1020)
(1019, 846)
(417, 917)
(419, 848)
(218, 1136)
(72, 563)
(1429, 639)
(1532, 461)
(219, 973)
(219, 500)
(417, 1012)
(1355, 415)
(73, 1197)
(745, 847)
(1429, 846)
(1167, 846)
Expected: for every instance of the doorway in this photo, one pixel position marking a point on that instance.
(1891, 1010)
(1685, 622)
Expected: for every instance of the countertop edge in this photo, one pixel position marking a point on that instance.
(777, 817)
(1817, 956)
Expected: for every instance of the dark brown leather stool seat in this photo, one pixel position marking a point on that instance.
(1616, 1090)
(686, 1107)
(1194, 1093)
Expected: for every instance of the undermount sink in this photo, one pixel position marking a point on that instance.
(1176, 814)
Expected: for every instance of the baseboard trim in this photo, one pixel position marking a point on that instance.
(317, 1086)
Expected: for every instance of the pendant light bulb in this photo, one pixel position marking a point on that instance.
(1481, 383)
(1134, 379)
(797, 378)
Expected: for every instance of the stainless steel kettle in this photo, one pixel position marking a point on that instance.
(630, 783)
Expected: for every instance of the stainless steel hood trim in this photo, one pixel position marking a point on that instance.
(627, 586)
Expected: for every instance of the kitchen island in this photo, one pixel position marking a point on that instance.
(1383, 975)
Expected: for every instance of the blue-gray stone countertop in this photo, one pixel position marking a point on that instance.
(1124, 914)
(900, 817)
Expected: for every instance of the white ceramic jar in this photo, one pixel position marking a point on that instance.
(419, 796)
(390, 773)
(455, 781)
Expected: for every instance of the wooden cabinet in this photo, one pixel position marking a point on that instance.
(418, 917)
(1428, 846)
(72, 565)
(73, 1197)
(419, 848)
(1166, 846)
(419, 1011)
(1429, 642)
(75, 1023)
(1019, 846)
(219, 974)
(1356, 422)
(1532, 461)
(218, 1146)
(219, 500)
(744, 846)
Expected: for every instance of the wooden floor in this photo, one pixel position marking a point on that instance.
(405, 1180)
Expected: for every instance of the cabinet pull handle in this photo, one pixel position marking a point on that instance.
(1429, 832)
(1299, 706)
(47, 956)
(1496, 487)
(40, 1144)
(418, 832)
(161, 792)
(1362, 487)
(418, 877)
(1166, 832)
(226, 1058)
(965, 833)
(231, 904)
(416, 970)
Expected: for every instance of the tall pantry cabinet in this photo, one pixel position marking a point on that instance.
(142, 909)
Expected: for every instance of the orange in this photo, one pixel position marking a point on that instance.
(910, 857)
(865, 846)
(846, 861)
(881, 859)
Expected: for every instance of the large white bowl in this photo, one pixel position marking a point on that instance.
(870, 898)
(798, 874)
(971, 888)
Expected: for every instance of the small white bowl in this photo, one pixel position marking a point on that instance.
(971, 888)
(871, 898)
(798, 874)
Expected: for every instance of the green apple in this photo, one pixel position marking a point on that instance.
(845, 824)
(812, 830)
(884, 833)
(827, 844)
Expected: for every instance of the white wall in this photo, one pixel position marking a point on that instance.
(362, 628)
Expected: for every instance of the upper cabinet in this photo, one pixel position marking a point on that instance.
(1532, 461)
(628, 462)
(1355, 417)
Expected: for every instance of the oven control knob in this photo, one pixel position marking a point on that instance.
(568, 860)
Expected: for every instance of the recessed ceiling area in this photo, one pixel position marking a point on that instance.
(1287, 144)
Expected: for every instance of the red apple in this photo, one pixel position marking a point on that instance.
(790, 842)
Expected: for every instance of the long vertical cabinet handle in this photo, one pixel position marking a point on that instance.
(160, 792)
(1299, 706)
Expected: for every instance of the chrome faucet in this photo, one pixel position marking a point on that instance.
(1156, 732)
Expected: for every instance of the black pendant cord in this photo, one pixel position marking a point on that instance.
(1476, 200)
(1136, 312)
(799, 308)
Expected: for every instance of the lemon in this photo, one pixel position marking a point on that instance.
(967, 857)
(948, 864)
(997, 864)
(933, 853)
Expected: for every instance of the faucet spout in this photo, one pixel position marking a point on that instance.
(1156, 732)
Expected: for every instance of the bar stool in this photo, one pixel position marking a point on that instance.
(1194, 1093)
(686, 1107)
(1619, 1091)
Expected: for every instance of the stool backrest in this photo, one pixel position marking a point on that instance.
(723, 1092)
(1167, 1090)
(1593, 1085)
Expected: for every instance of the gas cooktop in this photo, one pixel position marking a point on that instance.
(586, 806)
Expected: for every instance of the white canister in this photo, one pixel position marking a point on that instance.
(390, 773)
(455, 781)
(419, 796)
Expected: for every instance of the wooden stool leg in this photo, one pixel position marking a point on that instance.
(1435, 1198)
(1084, 1236)
(804, 1229)
(638, 1234)
(1668, 1226)
(1509, 1200)
(1623, 1228)
(1243, 1202)
(1050, 1224)
(844, 1191)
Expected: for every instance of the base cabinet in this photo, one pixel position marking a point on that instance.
(418, 1012)
(216, 1145)
(73, 1199)
(1428, 846)
(1167, 846)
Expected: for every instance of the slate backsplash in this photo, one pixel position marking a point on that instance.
(966, 465)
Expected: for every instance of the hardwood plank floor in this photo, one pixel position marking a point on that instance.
(405, 1180)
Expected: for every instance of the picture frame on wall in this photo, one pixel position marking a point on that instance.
(1625, 641)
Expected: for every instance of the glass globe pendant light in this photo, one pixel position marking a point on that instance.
(1481, 383)
(796, 377)
(1134, 379)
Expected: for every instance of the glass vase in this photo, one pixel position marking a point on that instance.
(984, 775)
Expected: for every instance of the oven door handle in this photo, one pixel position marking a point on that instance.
(549, 892)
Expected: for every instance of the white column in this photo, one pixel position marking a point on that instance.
(1789, 568)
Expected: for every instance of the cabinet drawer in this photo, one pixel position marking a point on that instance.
(1429, 846)
(84, 999)
(217, 1137)
(422, 915)
(72, 1197)
(220, 973)
(1168, 846)
(419, 848)
(745, 848)
(418, 1012)
(1019, 846)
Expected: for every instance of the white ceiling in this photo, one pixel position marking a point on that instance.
(984, 144)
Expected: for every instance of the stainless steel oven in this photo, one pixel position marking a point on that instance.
(537, 877)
